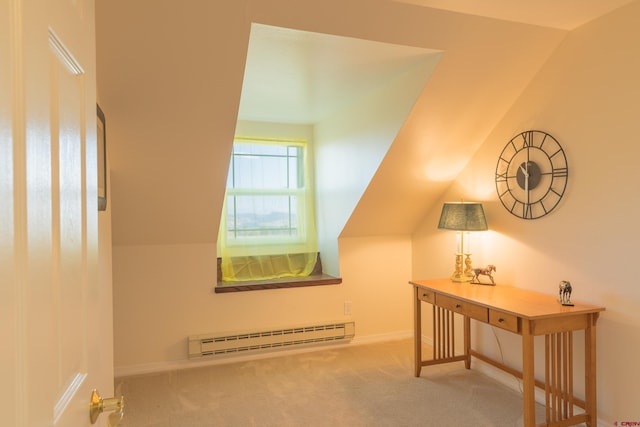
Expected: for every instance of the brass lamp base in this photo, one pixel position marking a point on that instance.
(460, 276)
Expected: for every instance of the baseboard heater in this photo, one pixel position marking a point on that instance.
(219, 344)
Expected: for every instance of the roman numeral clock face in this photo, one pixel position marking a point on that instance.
(531, 174)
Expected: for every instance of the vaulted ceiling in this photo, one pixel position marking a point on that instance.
(294, 76)
(562, 14)
(170, 79)
(299, 76)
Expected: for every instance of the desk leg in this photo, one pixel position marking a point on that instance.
(417, 331)
(528, 375)
(467, 342)
(590, 371)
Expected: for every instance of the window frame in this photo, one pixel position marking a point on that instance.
(299, 193)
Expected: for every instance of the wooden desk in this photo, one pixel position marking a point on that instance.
(525, 313)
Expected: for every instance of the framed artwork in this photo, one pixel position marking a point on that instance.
(102, 160)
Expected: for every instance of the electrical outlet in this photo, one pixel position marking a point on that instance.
(347, 308)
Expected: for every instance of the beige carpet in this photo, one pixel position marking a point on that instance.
(366, 385)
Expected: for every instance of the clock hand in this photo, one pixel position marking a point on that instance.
(526, 180)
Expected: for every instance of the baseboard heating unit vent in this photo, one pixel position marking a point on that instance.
(212, 345)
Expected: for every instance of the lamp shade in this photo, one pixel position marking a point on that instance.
(462, 216)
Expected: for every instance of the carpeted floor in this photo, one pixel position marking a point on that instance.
(367, 385)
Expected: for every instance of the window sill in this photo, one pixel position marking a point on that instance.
(288, 282)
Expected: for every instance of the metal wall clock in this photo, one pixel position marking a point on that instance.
(531, 174)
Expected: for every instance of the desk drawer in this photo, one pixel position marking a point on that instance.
(426, 295)
(463, 307)
(504, 320)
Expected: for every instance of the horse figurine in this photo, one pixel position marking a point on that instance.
(477, 272)
(565, 293)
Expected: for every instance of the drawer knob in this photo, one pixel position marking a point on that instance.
(458, 305)
(424, 295)
(500, 320)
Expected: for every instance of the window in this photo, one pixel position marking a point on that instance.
(268, 227)
(265, 191)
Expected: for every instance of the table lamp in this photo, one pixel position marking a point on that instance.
(462, 217)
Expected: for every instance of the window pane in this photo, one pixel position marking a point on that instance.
(231, 216)
(260, 172)
(257, 216)
(262, 166)
(294, 173)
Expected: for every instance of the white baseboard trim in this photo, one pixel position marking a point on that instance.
(172, 365)
(504, 378)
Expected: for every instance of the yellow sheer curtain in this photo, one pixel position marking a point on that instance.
(265, 257)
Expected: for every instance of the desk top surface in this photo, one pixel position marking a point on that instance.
(520, 302)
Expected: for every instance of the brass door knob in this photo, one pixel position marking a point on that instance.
(98, 405)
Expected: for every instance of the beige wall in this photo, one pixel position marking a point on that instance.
(164, 293)
(586, 96)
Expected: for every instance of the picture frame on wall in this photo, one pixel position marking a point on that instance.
(102, 159)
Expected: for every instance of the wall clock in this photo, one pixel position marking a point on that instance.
(531, 174)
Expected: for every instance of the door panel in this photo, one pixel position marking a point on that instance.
(49, 233)
(68, 218)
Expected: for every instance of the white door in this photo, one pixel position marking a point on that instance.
(55, 330)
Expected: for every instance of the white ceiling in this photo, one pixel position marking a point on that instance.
(563, 14)
(296, 76)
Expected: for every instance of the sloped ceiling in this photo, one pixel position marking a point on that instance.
(466, 96)
(562, 14)
(170, 76)
(301, 77)
(294, 76)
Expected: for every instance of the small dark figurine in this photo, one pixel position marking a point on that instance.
(565, 293)
(483, 272)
